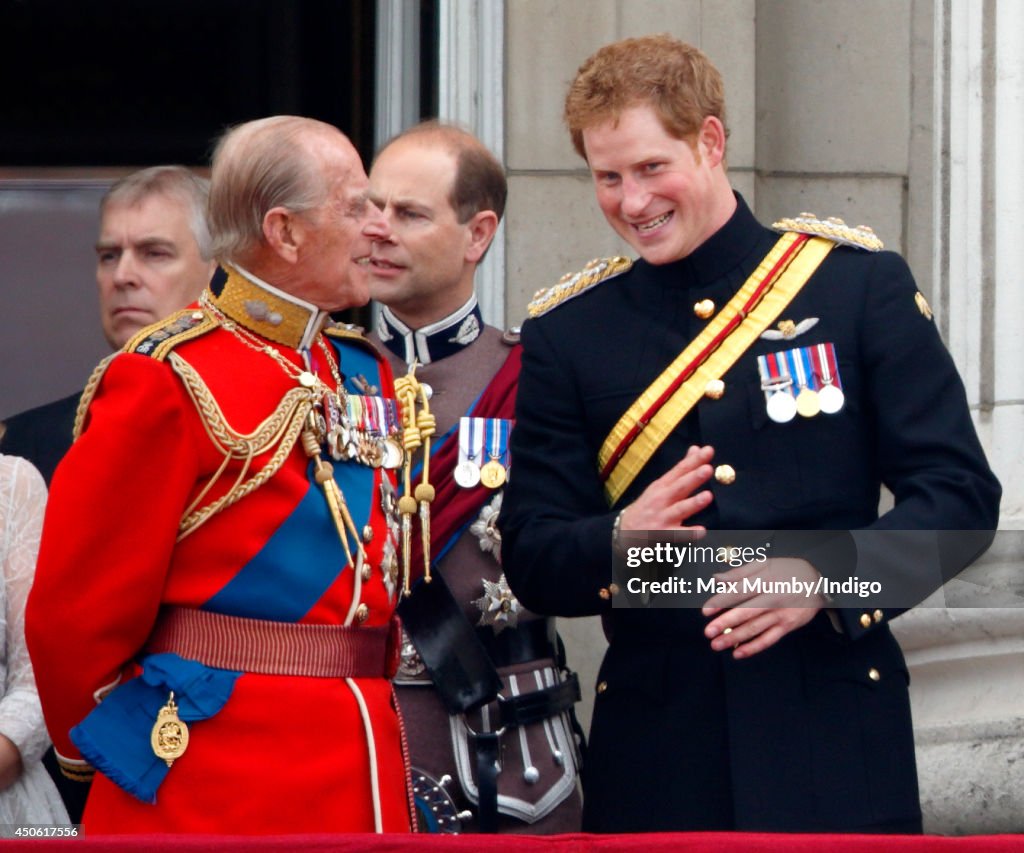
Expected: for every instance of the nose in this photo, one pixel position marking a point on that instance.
(376, 226)
(634, 197)
(126, 271)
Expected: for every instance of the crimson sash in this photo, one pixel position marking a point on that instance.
(454, 506)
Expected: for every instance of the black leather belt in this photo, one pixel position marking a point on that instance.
(463, 665)
(539, 705)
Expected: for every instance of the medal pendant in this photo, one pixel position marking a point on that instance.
(492, 474)
(467, 474)
(831, 399)
(781, 407)
(169, 737)
(807, 403)
(393, 455)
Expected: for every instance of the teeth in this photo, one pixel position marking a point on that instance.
(661, 220)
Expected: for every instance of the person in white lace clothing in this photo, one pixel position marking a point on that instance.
(27, 794)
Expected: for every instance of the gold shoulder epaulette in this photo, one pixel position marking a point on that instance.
(573, 284)
(834, 229)
(160, 338)
(157, 341)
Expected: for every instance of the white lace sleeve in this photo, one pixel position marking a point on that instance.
(22, 501)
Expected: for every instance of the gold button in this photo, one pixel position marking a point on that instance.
(604, 593)
(704, 309)
(725, 474)
(714, 389)
(362, 613)
(878, 614)
(602, 686)
(865, 620)
(874, 674)
(367, 571)
(367, 533)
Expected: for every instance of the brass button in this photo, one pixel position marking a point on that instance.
(865, 620)
(704, 309)
(362, 613)
(602, 686)
(725, 474)
(714, 389)
(878, 614)
(367, 571)
(874, 674)
(604, 593)
(367, 533)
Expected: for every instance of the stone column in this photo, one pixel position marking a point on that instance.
(967, 662)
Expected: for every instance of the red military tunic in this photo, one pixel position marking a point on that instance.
(155, 506)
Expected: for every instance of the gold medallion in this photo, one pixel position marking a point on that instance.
(169, 737)
(807, 403)
(492, 474)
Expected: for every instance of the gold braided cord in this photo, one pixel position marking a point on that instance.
(90, 391)
(406, 390)
(427, 426)
(280, 430)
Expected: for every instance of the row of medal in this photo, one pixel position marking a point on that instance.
(365, 429)
(483, 452)
(801, 381)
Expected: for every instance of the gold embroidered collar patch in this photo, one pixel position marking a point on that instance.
(267, 311)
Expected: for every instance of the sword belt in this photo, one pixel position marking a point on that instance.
(275, 648)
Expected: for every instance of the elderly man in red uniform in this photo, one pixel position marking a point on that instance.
(211, 620)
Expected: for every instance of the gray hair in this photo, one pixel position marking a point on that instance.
(258, 166)
(174, 181)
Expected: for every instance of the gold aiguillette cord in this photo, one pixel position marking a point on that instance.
(417, 430)
(324, 475)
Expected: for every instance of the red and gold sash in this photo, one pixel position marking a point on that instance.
(659, 409)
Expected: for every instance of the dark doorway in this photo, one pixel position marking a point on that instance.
(137, 82)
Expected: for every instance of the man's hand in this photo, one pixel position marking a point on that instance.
(670, 500)
(751, 621)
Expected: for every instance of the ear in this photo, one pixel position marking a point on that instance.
(481, 229)
(284, 233)
(711, 140)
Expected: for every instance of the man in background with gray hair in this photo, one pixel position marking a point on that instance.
(152, 258)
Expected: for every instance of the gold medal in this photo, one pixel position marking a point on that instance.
(492, 474)
(169, 737)
(807, 403)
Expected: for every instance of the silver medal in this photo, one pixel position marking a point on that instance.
(467, 474)
(781, 407)
(831, 399)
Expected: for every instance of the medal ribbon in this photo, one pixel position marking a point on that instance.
(660, 408)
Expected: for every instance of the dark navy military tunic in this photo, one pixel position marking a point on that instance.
(813, 734)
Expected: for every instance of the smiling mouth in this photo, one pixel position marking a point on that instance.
(381, 264)
(654, 223)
